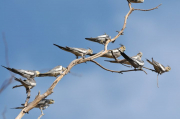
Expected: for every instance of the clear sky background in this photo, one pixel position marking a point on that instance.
(32, 27)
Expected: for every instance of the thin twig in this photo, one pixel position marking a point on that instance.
(28, 91)
(150, 69)
(130, 70)
(41, 113)
(149, 9)
(104, 67)
(126, 17)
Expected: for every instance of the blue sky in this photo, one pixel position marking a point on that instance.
(32, 27)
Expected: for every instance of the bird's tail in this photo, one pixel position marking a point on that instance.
(17, 108)
(6, 67)
(111, 61)
(43, 74)
(91, 39)
(59, 46)
(149, 61)
(91, 54)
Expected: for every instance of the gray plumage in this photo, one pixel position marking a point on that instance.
(125, 61)
(100, 39)
(115, 52)
(159, 68)
(24, 73)
(136, 1)
(44, 103)
(28, 83)
(53, 72)
(135, 62)
(76, 51)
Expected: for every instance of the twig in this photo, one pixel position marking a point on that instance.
(28, 91)
(131, 70)
(126, 17)
(50, 90)
(41, 113)
(104, 67)
(150, 69)
(149, 9)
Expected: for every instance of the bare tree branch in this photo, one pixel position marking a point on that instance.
(72, 64)
(28, 91)
(148, 9)
(105, 68)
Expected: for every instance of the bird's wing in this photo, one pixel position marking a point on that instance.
(162, 68)
(129, 59)
(13, 70)
(28, 72)
(55, 69)
(79, 50)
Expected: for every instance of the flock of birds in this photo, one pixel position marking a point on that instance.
(134, 61)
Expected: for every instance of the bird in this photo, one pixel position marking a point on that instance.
(158, 68)
(76, 51)
(54, 72)
(24, 73)
(42, 105)
(136, 1)
(116, 52)
(125, 61)
(136, 62)
(100, 39)
(28, 83)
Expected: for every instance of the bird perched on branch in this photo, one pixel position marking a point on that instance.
(135, 62)
(28, 83)
(76, 51)
(158, 68)
(24, 73)
(125, 61)
(114, 52)
(53, 72)
(100, 39)
(136, 1)
(42, 105)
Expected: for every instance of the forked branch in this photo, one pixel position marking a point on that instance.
(75, 62)
(126, 17)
